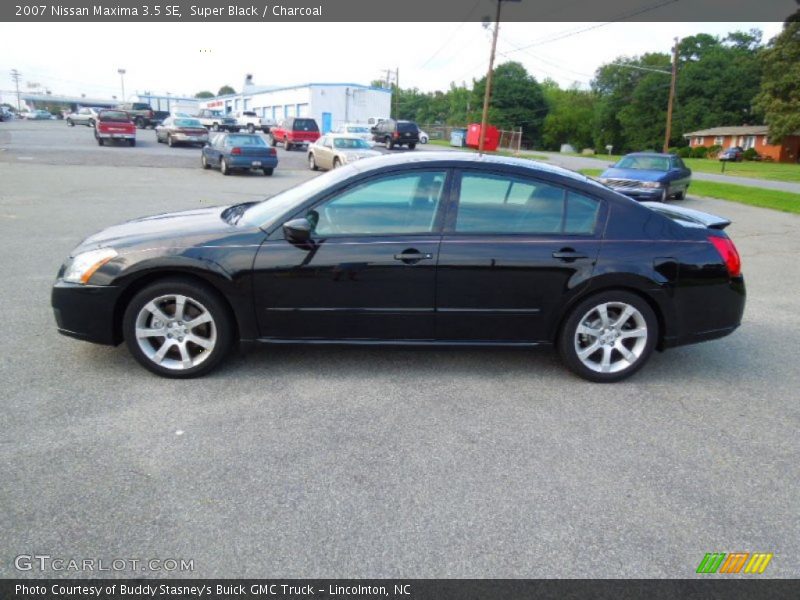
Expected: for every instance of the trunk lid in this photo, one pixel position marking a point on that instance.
(688, 217)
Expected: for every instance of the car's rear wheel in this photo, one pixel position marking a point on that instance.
(412, 146)
(682, 195)
(170, 141)
(178, 328)
(286, 144)
(91, 122)
(131, 143)
(312, 164)
(389, 143)
(70, 123)
(251, 128)
(215, 127)
(99, 141)
(224, 168)
(336, 163)
(609, 336)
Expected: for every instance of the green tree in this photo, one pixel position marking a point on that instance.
(780, 88)
(517, 101)
(570, 119)
(204, 94)
(225, 90)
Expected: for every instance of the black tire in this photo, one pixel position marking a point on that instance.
(568, 336)
(170, 141)
(287, 146)
(664, 195)
(251, 128)
(336, 163)
(222, 324)
(272, 141)
(91, 123)
(682, 195)
(215, 127)
(131, 143)
(70, 123)
(412, 146)
(389, 143)
(312, 163)
(223, 167)
(268, 172)
(139, 122)
(204, 161)
(99, 141)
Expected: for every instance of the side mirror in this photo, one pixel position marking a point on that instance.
(297, 231)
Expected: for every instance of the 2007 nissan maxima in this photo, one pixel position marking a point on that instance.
(440, 248)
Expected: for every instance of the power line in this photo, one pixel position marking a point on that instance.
(452, 35)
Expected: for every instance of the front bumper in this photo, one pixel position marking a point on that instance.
(86, 312)
(641, 194)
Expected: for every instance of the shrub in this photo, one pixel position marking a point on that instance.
(750, 154)
(685, 152)
(713, 151)
(699, 152)
(673, 150)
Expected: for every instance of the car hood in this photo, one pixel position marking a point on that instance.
(188, 227)
(635, 174)
(350, 154)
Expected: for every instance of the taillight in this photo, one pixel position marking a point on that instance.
(396, 134)
(728, 253)
(272, 152)
(236, 151)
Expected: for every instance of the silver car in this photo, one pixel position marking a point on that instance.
(359, 130)
(83, 116)
(334, 150)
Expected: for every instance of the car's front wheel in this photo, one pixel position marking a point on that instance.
(204, 161)
(178, 328)
(312, 163)
(609, 336)
(70, 123)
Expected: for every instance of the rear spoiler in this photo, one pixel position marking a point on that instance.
(688, 216)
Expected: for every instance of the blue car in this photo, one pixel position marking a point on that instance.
(239, 151)
(649, 176)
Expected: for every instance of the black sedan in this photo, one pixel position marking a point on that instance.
(445, 249)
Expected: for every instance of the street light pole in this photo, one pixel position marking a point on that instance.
(122, 81)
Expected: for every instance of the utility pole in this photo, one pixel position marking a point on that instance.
(397, 93)
(488, 93)
(122, 82)
(668, 133)
(16, 76)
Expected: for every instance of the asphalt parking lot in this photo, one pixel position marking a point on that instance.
(353, 462)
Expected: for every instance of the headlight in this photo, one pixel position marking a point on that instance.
(651, 184)
(83, 266)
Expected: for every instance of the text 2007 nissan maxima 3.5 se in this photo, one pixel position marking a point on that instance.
(426, 249)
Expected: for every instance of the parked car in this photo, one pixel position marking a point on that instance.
(356, 130)
(732, 154)
(334, 150)
(114, 126)
(649, 176)
(396, 133)
(423, 137)
(141, 113)
(239, 151)
(216, 121)
(38, 115)
(294, 131)
(448, 248)
(5, 114)
(158, 117)
(86, 115)
(250, 121)
(181, 130)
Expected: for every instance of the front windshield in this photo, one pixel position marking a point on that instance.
(645, 163)
(264, 213)
(357, 130)
(350, 143)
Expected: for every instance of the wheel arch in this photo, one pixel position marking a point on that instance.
(142, 279)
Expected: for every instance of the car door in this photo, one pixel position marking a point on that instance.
(369, 272)
(513, 248)
(681, 176)
(326, 152)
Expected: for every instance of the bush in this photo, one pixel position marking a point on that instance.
(713, 151)
(673, 150)
(685, 152)
(750, 154)
(699, 152)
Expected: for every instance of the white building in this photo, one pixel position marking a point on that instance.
(330, 104)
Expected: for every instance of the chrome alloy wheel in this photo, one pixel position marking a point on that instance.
(611, 337)
(176, 332)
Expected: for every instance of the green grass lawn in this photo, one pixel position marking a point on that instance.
(764, 198)
(757, 170)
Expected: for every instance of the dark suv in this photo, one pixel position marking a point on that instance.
(141, 113)
(294, 131)
(396, 133)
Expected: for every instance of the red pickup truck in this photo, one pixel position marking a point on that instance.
(294, 131)
(114, 125)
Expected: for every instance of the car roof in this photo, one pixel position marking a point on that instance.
(660, 154)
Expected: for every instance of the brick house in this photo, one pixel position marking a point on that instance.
(748, 136)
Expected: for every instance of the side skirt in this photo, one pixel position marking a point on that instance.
(371, 342)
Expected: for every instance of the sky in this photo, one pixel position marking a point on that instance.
(184, 58)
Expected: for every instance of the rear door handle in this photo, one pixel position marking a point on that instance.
(569, 254)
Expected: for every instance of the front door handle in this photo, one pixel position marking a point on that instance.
(412, 256)
(569, 254)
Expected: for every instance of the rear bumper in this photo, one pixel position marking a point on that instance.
(246, 162)
(85, 312)
(115, 136)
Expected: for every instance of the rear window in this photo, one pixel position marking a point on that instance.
(407, 127)
(244, 140)
(141, 106)
(114, 115)
(187, 123)
(305, 125)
